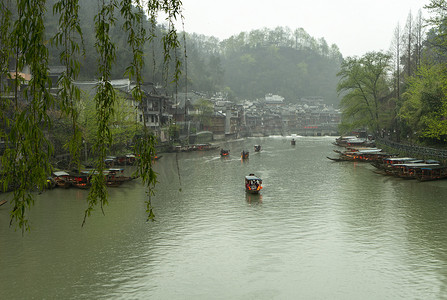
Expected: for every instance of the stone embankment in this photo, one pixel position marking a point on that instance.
(412, 150)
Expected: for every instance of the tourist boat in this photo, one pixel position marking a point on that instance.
(362, 156)
(203, 147)
(253, 184)
(432, 173)
(244, 154)
(115, 177)
(342, 141)
(257, 148)
(359, 150)
(224, 152)
(408, 170)
(62, 179)
(81, 181)
(353, 141)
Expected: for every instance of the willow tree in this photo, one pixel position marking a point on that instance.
(364, 88)
(25, 108)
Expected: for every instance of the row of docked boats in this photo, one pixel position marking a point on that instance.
(411, 168)
(361, 154)
(114, 177)
(195, 147)
(393, 165)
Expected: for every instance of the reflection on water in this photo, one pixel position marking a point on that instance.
(253, 198)
(318, 229)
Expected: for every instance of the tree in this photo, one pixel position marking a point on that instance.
(424, 112)
(204, 110)
(26, 162)
(364, 87)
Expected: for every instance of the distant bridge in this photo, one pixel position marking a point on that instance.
(316, 130)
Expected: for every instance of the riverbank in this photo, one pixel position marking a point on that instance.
(412, 150)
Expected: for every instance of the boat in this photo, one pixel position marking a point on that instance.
(411, 170)
(353, 141)
(244, 154)
(373, 156)
(118, 174)
(257, 148)
(432, 173)
(203, 147)
(224, 152)
(3, 202)
(253, 184)
(62, 179)
(110, 161)
(81, 181)
(292, 142)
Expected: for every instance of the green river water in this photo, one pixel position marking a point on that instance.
(318, 230)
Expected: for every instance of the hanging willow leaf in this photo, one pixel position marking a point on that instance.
(25, 118)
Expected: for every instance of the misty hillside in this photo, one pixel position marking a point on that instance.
(246, 66)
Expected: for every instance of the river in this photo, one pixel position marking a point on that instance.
(318, 230)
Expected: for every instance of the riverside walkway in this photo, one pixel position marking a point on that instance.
(413, 150)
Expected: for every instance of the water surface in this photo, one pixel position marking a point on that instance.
(319, 230)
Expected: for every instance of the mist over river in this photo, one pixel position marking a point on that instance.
(318, 230)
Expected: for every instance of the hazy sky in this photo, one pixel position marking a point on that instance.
(356, 26)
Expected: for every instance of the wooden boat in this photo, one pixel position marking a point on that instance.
(353, 141)
(117, 175)
(292, 142)
(203, 147)
(253, 184)
(62, 179)
(337, 158)
(362, 156)
(408, 170)
(3, 202)
(81, 181)
(244, 154)
(110, 161)
(432, 173)
(257, 148)
(224, 152)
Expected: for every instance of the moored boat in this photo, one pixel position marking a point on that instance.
(62, 179)
(81, 181)
(432, 173)
(253, 184)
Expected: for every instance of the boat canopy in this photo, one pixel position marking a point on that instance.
(417, 165)
(252, 177)
(400, 159)
(60, 173)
